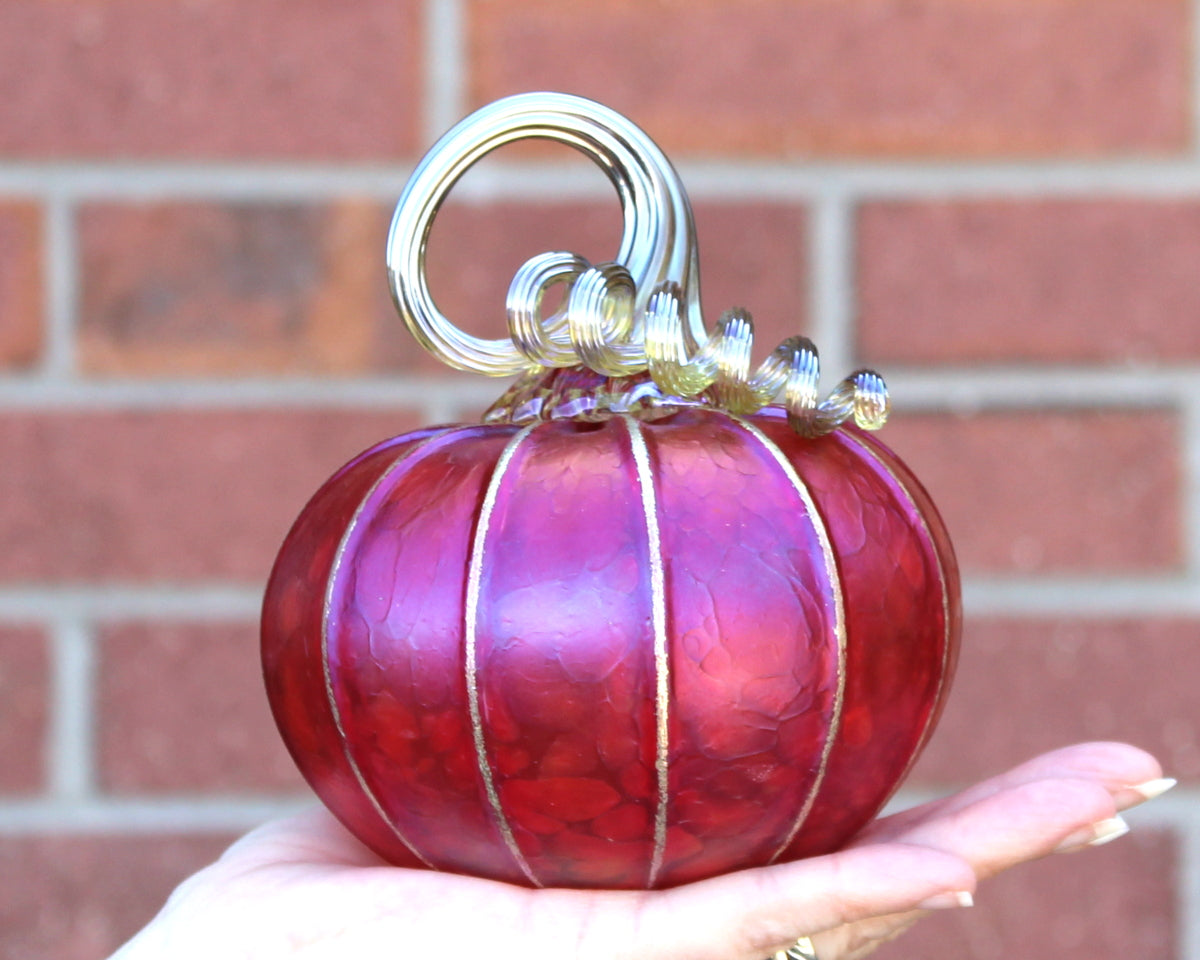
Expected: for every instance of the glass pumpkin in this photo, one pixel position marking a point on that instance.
(628, 632)
(622, 653)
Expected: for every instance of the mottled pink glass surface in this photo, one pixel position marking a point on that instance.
(469, 680)
(903, 620)
(753, 648)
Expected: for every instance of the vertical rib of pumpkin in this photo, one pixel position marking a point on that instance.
(396, 648)
(753, 643)
(471, 617)
(896, 638)
(943, 552)
(293, 631)
(565, 651)
(837, 597)
(658, 617)
(329, 620)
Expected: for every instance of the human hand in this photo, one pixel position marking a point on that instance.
(302, 887)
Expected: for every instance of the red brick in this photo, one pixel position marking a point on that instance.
(475, 249)
(1071, 907)
(225, 78)
(78, 897)
(21, 295)
(1061, 281)
(751, 255)
(24, 709)
(1036, 77)
(1025, 686)
(175, 495)
(1072, 492)
(166, 495)
(181, 708)
(755, 255)
(195, 288)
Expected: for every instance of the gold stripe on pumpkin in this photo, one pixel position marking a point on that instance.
(839, 620)
(470, 625)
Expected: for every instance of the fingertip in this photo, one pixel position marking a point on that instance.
(1063, 803)
(950, 900)
(1114, 763)
(1144, 792)
(1094, 835)
(1024, 821)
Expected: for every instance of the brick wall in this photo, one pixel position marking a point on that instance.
(996, 203)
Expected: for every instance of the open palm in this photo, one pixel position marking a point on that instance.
(302, 887)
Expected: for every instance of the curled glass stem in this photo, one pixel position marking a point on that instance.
(639, 313)
(657, 245)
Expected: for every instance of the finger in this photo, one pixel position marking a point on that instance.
(1122, 770)
(753, 913)
(996, 832)
(1021, 823)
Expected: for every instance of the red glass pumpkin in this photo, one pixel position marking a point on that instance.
(618, 653)
(632, 640)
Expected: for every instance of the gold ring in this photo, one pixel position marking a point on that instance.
(802, 949)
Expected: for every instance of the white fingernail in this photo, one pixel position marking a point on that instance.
(1095, 835)
(1154, 788)
(946, 901)
(1108, 830)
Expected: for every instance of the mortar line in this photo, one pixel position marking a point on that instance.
(251, 182)
(71, 754)
(60, 257)
(948, 388)
(1193, 51)
(968, 390)
(72, 607)
(710, 179)
(940, 180)
(831, 273)
(1188, 883)
(143, 815)
(1179, 811)
(1188, 891)
(1150, 596)
(446, 407)
(42, 393)
(445, 73)
(223, 602)
(1190, 414)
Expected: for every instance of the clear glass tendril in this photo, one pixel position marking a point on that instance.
(639, 313)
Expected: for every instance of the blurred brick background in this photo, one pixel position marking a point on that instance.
(997, 203)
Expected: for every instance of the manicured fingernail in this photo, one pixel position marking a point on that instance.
(945, 901)
(1154, 788)
(1095, 835)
